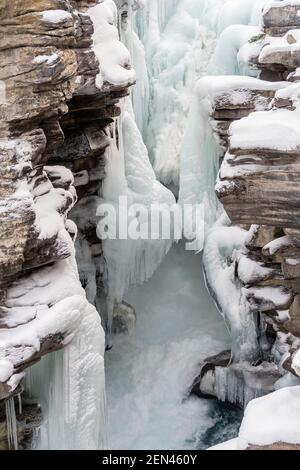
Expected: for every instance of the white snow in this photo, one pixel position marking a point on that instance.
(274, 45)
(114, 58)
(272, 419)
(232, 444)
(250, 270)
(200, 152)
(56, 16)
(179, 37)
(215, 87)
(175, 44)
(290, 93)
(48, 59)
(277, 296)
(296, 362)
(222, 240)
(50, 301)
(49, 217)
(264, 129)
(6, 370)
(70, 384)
(278, 244)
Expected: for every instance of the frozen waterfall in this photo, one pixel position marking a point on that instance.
(162, 153)
(172, 44)
(149, 371)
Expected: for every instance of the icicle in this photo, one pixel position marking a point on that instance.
(70, 386)
(11, 424)
(199, 167)
(110, 315)
(20, 403)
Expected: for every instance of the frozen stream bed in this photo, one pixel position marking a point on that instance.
(149, 371)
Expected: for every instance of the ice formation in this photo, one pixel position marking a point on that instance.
(185, 154)
(201, 152)
(11, 424)
(200, 156)
(172, 73)
(221, 242)
(148, 371)
(233, 51)
(41, 312)
(70, 384)
(166, 46)
(129, 174)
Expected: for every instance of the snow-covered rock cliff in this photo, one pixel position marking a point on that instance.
(54, 115)
(253, 250)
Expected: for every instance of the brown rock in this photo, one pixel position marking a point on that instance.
(275, 446)
(293, 326)
(260, 236)
(295, 307)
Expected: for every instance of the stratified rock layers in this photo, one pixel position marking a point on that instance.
(258, 186)
(53, 136)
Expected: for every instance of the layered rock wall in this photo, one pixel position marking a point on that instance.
(54, 130)
(257, 124)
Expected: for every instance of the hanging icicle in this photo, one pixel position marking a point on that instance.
(20, 403)
(11, 424)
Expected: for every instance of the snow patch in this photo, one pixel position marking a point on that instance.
(56, 16)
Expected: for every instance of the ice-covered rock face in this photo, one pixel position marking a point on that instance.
(179, 37)
(128, 172)
(258, 185)
(53, 114)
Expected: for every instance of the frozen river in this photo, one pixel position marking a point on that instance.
(149, 372)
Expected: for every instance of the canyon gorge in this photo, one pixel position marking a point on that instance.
(185, 341)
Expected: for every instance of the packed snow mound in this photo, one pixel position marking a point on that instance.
(291, 93)
(272, 419)
(264, 130)
(213, 88)
(114, 58)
